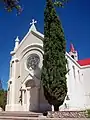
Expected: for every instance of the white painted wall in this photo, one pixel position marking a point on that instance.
(86, 85)
(75, 85)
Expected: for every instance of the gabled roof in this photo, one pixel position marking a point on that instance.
(79, 63)
(31, 30)
(84, 62)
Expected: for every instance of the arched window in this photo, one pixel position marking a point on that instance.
(72, 56)
(74, 71)
(79, 75)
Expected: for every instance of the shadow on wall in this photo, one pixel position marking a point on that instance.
(34, 91)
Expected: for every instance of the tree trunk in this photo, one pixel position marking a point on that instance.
(56, 108)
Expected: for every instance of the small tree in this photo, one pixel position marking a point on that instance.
(54, 64)
(3, 98)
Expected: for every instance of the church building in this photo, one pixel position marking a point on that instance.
(25, 91)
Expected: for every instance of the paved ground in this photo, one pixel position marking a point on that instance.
(64, 119)
(32, 118)
(44, 118)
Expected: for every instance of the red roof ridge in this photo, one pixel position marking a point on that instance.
(84, 62)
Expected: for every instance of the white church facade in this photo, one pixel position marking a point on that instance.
(25, 91)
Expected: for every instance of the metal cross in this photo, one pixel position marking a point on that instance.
(33, 22)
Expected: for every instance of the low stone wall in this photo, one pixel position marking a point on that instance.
(67, 114)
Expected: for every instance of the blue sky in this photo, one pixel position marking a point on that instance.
(75, 19)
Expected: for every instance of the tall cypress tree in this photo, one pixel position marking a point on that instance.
(54, 64)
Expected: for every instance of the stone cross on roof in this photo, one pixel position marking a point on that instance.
(33, 22)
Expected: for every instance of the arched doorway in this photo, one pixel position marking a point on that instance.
(32, 96)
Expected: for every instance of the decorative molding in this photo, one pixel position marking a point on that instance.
(12, 53)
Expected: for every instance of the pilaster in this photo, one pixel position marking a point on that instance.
(13, 84)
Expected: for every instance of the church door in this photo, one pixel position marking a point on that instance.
(32, 96)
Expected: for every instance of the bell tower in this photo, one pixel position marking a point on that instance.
(73, 53)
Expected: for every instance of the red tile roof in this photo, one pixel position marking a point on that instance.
(84, 62)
